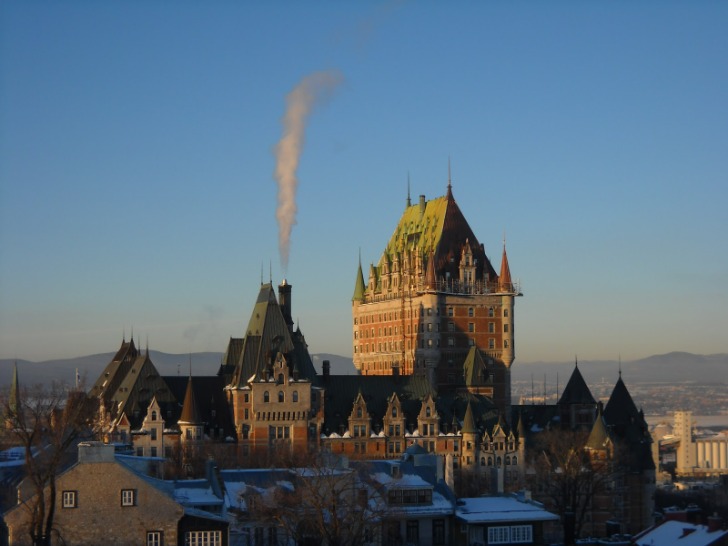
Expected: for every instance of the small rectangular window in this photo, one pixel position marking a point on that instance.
(154, 538)
(128, 497)
(70, 499)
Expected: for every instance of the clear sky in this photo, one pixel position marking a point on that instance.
(137, 155)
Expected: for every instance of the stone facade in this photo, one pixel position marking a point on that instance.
(101, 501)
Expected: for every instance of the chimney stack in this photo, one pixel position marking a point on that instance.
(715, 523)
(284, 300)
(422, 204)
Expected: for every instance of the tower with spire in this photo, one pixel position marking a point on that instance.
(432, 297)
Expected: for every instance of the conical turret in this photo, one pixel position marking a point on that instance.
(359, 287)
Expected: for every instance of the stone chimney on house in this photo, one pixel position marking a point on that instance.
(95, 452)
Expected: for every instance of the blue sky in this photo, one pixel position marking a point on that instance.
(137, 156)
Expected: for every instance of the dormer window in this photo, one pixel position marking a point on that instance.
(394, 411)
(154, 415)
(359, 413)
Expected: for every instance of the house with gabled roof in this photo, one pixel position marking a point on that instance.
(101, 500)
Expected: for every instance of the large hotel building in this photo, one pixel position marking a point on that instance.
(432, 298)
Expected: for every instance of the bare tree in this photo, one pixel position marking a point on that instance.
(567, 478)
(47, 423)
(321, 504)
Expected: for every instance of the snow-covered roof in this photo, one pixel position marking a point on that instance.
(195, 493)
(671, 532)
(496, 509)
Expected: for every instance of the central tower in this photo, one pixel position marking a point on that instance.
(433, 301)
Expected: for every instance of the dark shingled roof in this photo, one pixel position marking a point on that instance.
(576, 391)
(267, 335)
(210, 401)
(627, 423)
(342, 391)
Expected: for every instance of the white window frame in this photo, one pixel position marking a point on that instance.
(521, 534)
(155, 538)
(203, 538)
(128, 497)
(70, 499)
(499, 535)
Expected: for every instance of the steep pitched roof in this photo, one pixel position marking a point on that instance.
(628, 425)
(359, 287)
(505, 284)
(576, 391)
(268, 334)
(475, 370)
(468, 421)
(621, 409)
(599, 438)
(115, 371)
(437, 227)
(190, 413)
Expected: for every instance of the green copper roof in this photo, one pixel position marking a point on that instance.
(598, 437)
(419, 228)
(359, 287)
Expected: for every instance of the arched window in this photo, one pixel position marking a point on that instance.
(358, 412)
(154, 415)
(266, 397)
(498, 461)
(482, 461)
(491, 312)
(281, 396)
(295, 396)
(490, 461)
(394, 411)
(428, 411)
(508, 460)
(280, 379)
(514, 460)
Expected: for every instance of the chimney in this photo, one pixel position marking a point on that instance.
(715, 523)
(95, 452)
(284, 300)
(422, 204)
(326, 368)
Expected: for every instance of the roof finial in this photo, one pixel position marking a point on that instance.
(576, 362)
(132, 333)
(123, 334)
(449, 178)
(270, 271)
(261, 273)
(409, 201)
(620, 365)
(190, 365)
(147, 344)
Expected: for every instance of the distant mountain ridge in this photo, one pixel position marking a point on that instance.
(674, 367)
(90, 367)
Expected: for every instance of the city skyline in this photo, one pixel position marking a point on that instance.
(137, 167)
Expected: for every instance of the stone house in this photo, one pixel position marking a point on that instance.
(100, 500)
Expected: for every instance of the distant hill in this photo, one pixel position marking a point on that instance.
(90, 367)
(676, 367)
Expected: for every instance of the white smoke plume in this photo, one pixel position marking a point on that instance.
(311, 91)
